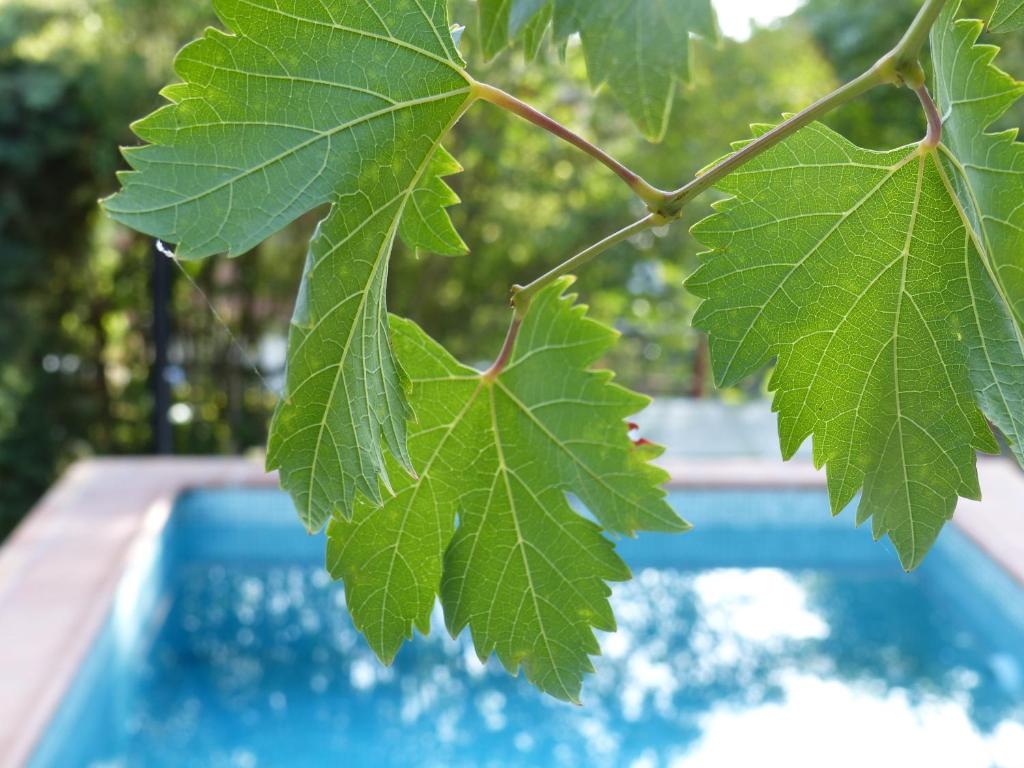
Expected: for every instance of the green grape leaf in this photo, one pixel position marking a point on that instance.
(639, 49)
(856, 270)
(532, 29)
(287, 114)
(522, 13)
(307, 103)
(485, 521)
(426, 224)
(345, 394)
(1008, 16)
(987, 172)
(497, 19)
(493, 19)
(987, 168)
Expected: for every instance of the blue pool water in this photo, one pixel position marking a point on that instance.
(772, 635)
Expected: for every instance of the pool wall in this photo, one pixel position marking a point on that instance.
(60, 571)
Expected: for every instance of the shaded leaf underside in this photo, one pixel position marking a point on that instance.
(640, 49)
(1008, 16)
(986, 171)
(345, 392)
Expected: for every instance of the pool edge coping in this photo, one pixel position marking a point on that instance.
(51, 616)
(60, 568)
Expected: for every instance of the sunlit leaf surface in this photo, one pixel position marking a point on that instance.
(486, 522)
(859, 273)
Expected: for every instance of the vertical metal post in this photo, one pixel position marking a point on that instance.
(161, 295)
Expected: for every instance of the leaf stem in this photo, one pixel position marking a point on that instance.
(521, 295)
(934, 135)
(507, 348)
(650, 194)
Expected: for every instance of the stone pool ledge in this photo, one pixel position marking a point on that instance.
(60, 569)
(995, 524)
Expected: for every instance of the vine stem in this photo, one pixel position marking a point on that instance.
(873, 77)
(506, 349)
(522, 295)
(908, 49)
(934, 135)
(650, 194)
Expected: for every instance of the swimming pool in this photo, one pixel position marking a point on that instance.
(772, 634)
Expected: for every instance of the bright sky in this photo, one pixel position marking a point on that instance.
(735, 16)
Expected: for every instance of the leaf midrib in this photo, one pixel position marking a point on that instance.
(896, 358)
(386, 246)
(503, 470)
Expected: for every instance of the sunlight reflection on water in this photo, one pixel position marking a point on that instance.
(708, 668)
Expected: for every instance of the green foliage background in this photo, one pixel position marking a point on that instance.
(74, 288)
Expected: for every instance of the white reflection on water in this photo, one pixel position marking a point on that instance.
(755, 639)
(764, 605)
(845, 725)
(363, 674)
(741, 617)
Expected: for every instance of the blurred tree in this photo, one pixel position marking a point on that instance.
(73, 288)
(52, 330)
